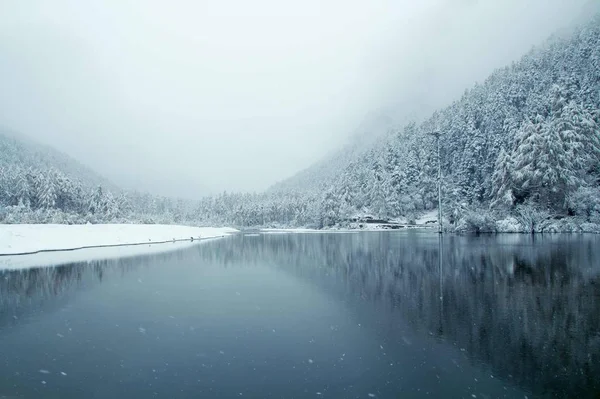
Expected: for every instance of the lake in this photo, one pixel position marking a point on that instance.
(357, 315)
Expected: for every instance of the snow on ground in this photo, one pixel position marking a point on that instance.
(47, 259)
(428, 217)
(40, 242)
(304, 231)
(291, 230)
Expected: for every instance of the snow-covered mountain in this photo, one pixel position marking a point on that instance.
(322, 174)
(19, 151)
(39, 184)
(524, 143)
(528, 134)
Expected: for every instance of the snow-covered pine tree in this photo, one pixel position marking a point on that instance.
(502, 181)
(45, 192)
(329, 209)
(529, 145)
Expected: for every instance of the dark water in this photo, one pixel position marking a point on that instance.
(311, 316)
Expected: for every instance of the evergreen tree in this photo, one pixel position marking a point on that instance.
(46, 192)
(329, 210)
(502, 181)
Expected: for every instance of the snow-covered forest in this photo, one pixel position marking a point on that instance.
(520, 149)
(525, 142)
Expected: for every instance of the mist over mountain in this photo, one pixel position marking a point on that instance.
(518, 149)
(525, 142)
(371, 132)
(19, 151)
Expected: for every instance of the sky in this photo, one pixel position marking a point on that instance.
(187, 98)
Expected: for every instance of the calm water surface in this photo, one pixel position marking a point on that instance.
(366, 315)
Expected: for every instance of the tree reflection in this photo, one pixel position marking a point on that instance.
(48, 288)
(527, 306)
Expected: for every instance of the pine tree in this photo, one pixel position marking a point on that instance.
(502, 181)
(23, 189)
(329, 210)
(45, 192)
(530, 144)
(96, 201)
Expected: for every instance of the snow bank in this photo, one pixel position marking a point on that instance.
(46, 239)
(430, 217)
(290, 230)
(509, 225)
(49, 259)
(304, 231)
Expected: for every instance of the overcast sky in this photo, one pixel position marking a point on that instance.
(182, 98)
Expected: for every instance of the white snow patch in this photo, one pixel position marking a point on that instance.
(305, 231)
(114, 240)
(430, 217)
(509, 225)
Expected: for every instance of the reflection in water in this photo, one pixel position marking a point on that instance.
(528, 307)
(45, 288)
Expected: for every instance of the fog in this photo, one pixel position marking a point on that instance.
(185, 98)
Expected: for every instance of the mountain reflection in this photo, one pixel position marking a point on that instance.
(529, 307)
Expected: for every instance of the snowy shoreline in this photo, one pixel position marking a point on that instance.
(299, 230)
(26, 245)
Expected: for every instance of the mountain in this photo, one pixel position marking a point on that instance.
(518, 152)
(323, 173)
(19, 151)
(527, 135)
(39, 184)
(519, 149)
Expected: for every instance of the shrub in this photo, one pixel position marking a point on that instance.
(585, 202)
(509, 225)
(476, 221)
(531, 218)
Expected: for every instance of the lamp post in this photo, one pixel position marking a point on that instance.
(441, 272)
(437, 134)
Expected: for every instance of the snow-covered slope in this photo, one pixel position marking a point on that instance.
(17, 150)
(371, 133)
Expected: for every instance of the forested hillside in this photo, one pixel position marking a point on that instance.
(39, 184)
(528, 134)
(34, 177)
(18, 151)
(321, 175)
(521, 148)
